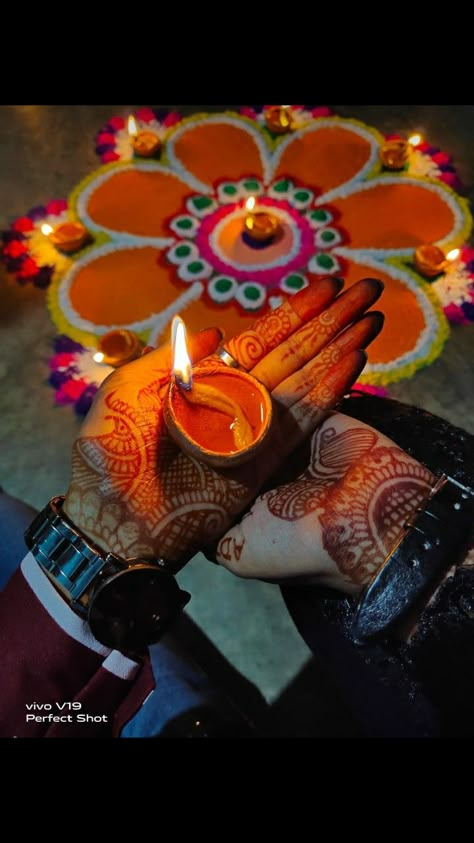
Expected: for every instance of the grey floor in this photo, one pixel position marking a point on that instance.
(44, 152)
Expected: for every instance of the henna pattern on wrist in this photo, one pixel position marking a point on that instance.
(361, 491)
(135, 493)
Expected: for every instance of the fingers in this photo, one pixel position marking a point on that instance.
(251, 346)
(199, 345)
(303, 417)
(357, 336)
(310, 339)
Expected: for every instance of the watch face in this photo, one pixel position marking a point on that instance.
(134, 607)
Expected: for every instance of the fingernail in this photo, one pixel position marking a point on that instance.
(376, 316)
(377, 282)
(218, 331)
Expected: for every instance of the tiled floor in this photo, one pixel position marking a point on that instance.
(44, 152)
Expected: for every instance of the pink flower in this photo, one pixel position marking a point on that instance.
(321, 111)
(23, 224)
(28, 268)
(371, 390)
(70, 391)
(117, 123)
(146, 115)
(15, 249)
(63, 360)
(455, 315)
(105, 138)
(107, 157)
(440, 158)
(56, 207)
(467, 254)
(450, 179)
(423, 146)
(171, 119)
(249, 112)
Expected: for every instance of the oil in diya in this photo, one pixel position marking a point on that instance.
(145, 143)
(220, 415)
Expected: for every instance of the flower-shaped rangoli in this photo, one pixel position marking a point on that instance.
(168, 235)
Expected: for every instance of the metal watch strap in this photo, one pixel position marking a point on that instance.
(436, 536)
(72, 561)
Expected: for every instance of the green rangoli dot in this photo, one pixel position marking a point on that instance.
(182, 251)
(327, 236)
(195, 267)
(282, 186)
(294, 282)
(201, 202)
(186, 224)
(251, 185)
(223, 285)
(302, 195)
(325, 261)
(252, 293)
(319, 215)
(230, 190)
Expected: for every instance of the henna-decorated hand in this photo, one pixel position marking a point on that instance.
(338, 520)
(135, 493)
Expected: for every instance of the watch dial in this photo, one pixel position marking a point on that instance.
(134, 607)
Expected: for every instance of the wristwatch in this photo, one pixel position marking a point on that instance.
(128, 603)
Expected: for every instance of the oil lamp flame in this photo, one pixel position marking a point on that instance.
(98, 357)
(250, 203)
(181, 361)
(415, 140)
(46, 229)
(132, 126)
(453, 254)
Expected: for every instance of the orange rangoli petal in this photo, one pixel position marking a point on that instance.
(123, 287)
(324, 158)
(218, 150)
(138, 202)
(394, 216)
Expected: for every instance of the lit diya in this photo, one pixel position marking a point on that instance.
(118, 347)
(144, 143)
(394, 154)
(260, 227)
(220, 416)
(431, 261)
(278, 119)
(67, 236)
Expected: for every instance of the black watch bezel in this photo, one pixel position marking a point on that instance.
(134, 607)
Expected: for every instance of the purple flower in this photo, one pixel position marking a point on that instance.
(468, 310)
(14, 264)
(64, 343)
(8, 236)
(43, 278)
(56, 379)
(82, 405)
(104, 147)
(37, 213)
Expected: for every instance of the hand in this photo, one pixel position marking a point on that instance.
(339, 519)
(133, 492)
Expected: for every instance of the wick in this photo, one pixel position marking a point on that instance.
(186, 385)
